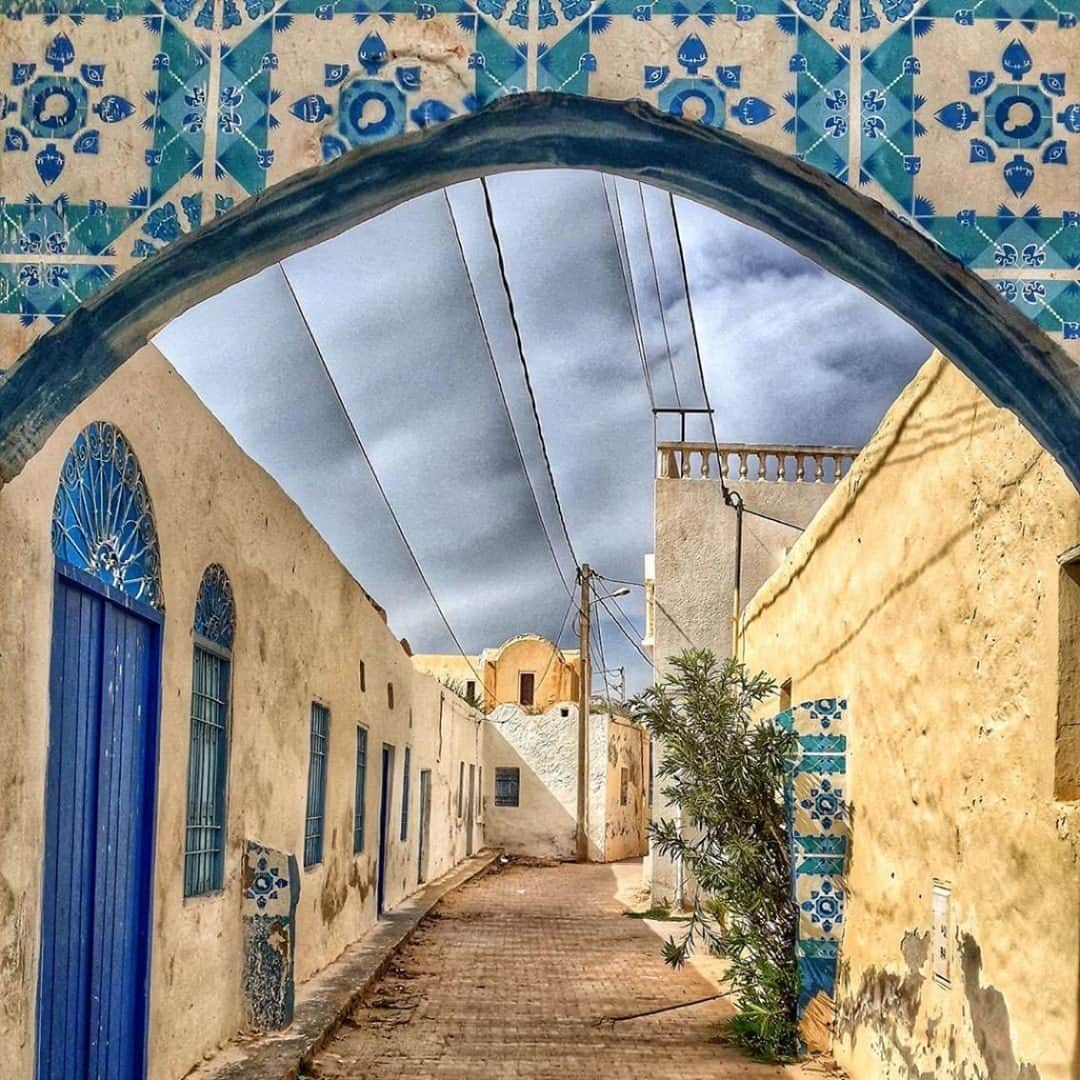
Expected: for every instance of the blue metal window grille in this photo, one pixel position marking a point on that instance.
(103, 521)
(361, 783)
(316, 789)
(208, 769)
(405, 795)
(208, 754)
(507, 787)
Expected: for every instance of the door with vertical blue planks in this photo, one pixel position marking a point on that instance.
(99, 820)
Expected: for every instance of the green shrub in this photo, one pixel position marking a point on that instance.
(725, 771)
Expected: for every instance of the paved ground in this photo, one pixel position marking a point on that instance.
(511, 977)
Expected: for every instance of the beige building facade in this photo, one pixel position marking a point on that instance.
(308, 641)
(530, 797)
(526, 670)
(690, 578)
(936, 591)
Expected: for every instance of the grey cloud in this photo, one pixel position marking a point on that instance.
(790, 354)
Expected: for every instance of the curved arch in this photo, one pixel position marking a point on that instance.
(852, 236)
(103, 520)
(215, 608)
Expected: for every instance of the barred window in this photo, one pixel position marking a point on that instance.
(316, 789)
(507, 787)
(208, 752)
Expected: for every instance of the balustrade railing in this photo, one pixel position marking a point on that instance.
(744, 461)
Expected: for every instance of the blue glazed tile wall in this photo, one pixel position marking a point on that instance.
(127, 123)
(816, 802)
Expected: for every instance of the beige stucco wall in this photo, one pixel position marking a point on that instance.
(926, 593)
(496, 671)
(694, 589)
(544, 748)
(625, 823)
(446, 668)
(303, 625)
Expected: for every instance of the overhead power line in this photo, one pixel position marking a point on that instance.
(659, 295)
(697, 348)
(374, 473)
(621, 250)
(637, 646)
(502, 392)
(524, 366)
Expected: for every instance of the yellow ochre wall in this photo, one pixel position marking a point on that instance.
(303, 625)
(926, 593)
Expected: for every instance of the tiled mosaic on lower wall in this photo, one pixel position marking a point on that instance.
(271, 891)
(125, 123)
(818, 830)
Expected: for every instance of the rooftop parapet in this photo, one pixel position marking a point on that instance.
(747, 461)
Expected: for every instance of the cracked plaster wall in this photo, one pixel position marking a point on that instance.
(926, 591)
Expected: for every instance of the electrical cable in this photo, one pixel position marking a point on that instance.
(637, 646)
(697, 349)
(659, 296)
(502, 392)
(374, 474)
(524, 366)
(631, 297)
(775, 520)
(556, 639)
(603, 662)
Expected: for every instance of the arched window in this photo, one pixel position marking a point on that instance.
(208, 759)
(103, 521)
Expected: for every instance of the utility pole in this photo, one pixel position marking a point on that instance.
(584, 694)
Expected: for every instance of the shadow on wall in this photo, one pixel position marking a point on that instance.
(960, 428)
(542, 824)
(889, 1004)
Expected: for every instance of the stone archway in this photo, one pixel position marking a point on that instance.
(1011, 360)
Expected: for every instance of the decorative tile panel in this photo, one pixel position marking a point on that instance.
(818, 830)
(271, 891)
(127, 123)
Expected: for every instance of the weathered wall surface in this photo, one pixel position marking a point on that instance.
(129, 125)
(692, 605)
(544, 748)
(303, 625)
(626, 811)
(926, 592)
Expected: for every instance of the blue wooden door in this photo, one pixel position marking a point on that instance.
(384, 827)
(99, 822)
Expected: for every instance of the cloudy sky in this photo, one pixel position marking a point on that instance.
(790, 354)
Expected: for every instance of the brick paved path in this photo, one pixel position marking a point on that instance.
(508, 978)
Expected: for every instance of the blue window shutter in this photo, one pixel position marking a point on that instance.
(316, 793)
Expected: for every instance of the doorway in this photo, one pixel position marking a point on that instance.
(470, 811)
(93, 983)
(425, 825)
(385, 791)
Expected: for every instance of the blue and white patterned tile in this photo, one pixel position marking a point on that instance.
(821, 901)
(762, 69)
(820, 808)
(316, 85)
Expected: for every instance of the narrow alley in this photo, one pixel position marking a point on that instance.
(518, 974)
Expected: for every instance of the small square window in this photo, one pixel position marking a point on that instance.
(507, 787)
(470, 689)
(526, 688)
